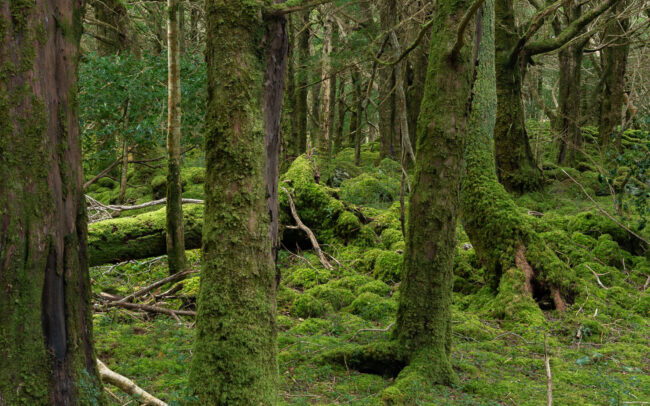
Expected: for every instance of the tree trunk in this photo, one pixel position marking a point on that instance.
(175, 236)
(568, 116)
(519, 265)
(423, 326)
(356, 131)
(386, 83)
(47, 355)
(328, 86)
(300, 143)
(614, 60)
(340, 118)
(235, 357)
(124, 172)
(516, 166)
(114, 32)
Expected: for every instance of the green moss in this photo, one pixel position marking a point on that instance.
(193, 175)
(351, 282)
(306, 306)
(377, 287)
(347, 225)
(371, 306)
(159, 186)
(608, 251)
(335, 297)
(307, 277)
(388, 266)
(366, 189)
(391, 236)
(366, 237)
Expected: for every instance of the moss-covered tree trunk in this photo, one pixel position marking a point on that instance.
(300, 108)
(46, 344)
(322, 141)
(175, 236)
(235, 357)
(567, 121)
(516, 166)
(386, 83)
(423, 327)
(614, 61)
(518, 262)
(113, 32)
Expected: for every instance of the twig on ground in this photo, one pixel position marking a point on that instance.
(153, 309)
(549, 379)
(597, 278)
(379, 330)
(172, 278)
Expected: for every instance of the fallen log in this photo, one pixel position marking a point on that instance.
(139, 237)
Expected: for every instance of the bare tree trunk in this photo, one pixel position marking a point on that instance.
(175, 237)
(124, 172)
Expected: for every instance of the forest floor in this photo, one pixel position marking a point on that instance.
(599, 348)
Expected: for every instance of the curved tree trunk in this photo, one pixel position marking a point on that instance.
(47, 355)
(235, 357)
(516, 258)
(175, 236)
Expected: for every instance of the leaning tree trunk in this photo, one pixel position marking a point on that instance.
(47, 355)
(235, 357)
(175, 237)
(423, 326)
(516, 166)
(515, 257)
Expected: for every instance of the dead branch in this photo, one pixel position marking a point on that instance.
(597, 278)
(153, 309)
(176, 277)
(306, 229)
(379, 330)
(127, 385)
(549, 379)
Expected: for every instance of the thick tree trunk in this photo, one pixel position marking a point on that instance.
(614, 61)
(175, 236)
(516, 166)
(235, 357)
(47, 355)
(423, 327)
(515, 257)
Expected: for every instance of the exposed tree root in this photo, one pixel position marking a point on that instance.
(127, 385)
(383, 358)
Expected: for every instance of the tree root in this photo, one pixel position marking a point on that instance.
(383, 358)
(127, 385)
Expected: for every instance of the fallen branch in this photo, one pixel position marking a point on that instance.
(379, 330)
(127, 385)
(549, 379)
(597, 278)
(145, 290)
(306, 229)
(153, 309)
(119, 208)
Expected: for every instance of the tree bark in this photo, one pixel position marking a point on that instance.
(328, 86)
(235, 357)
(423, 327)
(516, 166)
(614, 61)
(47, 354)
(301, 106)
(175, 235)
(568, 117)
(386, 84)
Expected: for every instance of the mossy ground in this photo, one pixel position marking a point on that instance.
(598, 347)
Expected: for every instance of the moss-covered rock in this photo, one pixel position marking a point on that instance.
(336, 297)
(391, 236)
(307, 305)
(608, 251)
(371, 306)
(377, 287)
(347, 225)
(388, 266)
(307, 277)
(367, 189)
(193, 175)
(594, 224)
(159, 186)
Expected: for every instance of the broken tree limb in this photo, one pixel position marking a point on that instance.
(127, 385)
(153, 309)
(173, 278)
(306, 229)
(120, 208)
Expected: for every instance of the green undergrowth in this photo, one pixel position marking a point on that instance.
(330, 318)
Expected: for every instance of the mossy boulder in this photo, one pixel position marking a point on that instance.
(159, 186)
(194, 175)
(390, 236)
(377, 287)
(107, 183)
(371, 306)
(307, 277)
(608, 251)
(367, 189)
(347, 225)
(351, 282)
(595, 224)
(388, 266)
(365, 237)
(306, 306)
(336, 297)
